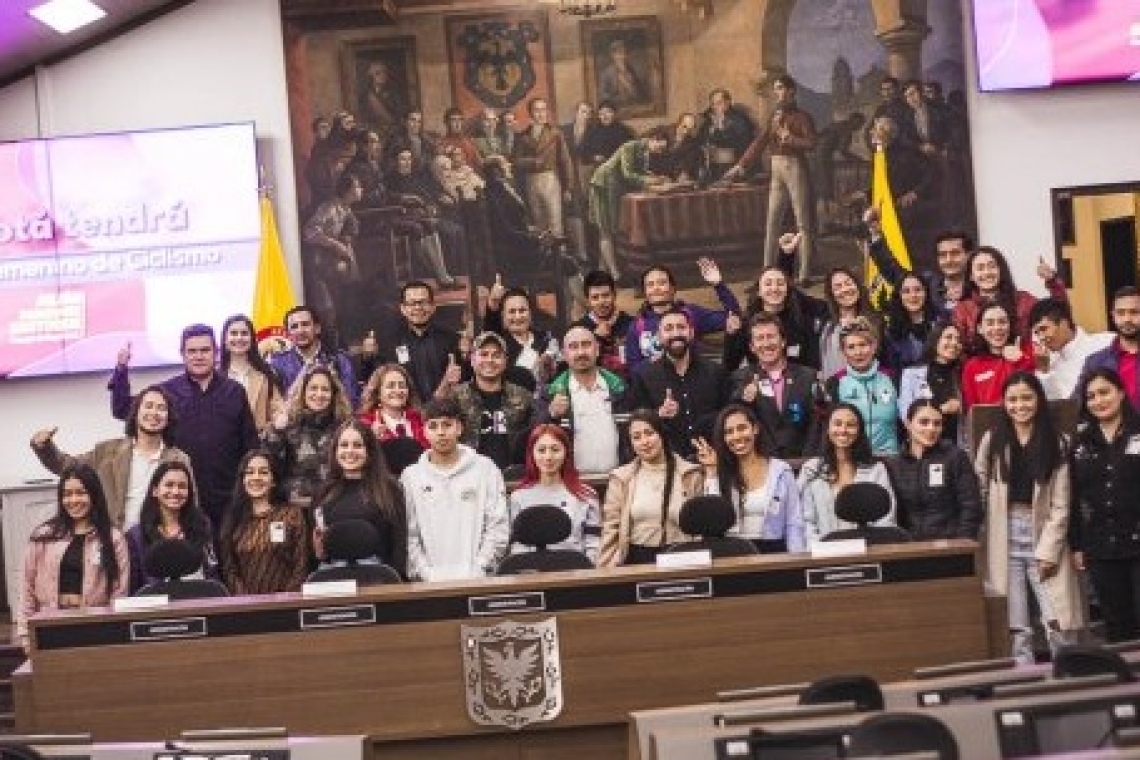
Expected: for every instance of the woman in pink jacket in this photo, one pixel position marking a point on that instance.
(75, 559)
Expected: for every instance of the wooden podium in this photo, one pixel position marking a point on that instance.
(388, 663)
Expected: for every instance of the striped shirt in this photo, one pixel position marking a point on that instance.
(255, 563)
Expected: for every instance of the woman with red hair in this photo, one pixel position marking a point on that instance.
(551, 478)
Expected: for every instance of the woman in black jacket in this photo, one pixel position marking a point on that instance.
(801, 315)
(1104, 526)
(933, 481)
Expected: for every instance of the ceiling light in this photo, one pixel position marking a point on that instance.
(66, 16)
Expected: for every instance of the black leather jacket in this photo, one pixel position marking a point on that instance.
(938, 495)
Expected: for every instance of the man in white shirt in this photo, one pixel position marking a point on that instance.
(586, 398)
(1067, 345)
(458, 522)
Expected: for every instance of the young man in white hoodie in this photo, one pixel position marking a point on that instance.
(458, 523)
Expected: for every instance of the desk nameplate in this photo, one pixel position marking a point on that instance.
(163, 630)
(677, 590)
(844, 575)
(602, 591)
(507, 604)
(338, 617)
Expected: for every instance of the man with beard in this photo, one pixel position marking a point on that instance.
(778, 390)
(685, 390)
(1123, 355)
(585, 398)
(215, 425)
(303, 328)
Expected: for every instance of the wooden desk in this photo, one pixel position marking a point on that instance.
(673, 229)
(399, 680)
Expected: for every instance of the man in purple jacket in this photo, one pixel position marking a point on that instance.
(211, 417)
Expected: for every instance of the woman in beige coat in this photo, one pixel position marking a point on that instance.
(1024, 475)
(241, 361)
(644, 497)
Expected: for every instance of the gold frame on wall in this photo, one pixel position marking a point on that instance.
(399, 55)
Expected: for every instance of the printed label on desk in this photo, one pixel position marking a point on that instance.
(846, 575)
(228, 754)
(502, 604)
(669, 591)
(160, 630)
(335, 617)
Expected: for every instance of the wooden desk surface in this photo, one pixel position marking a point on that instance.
(397, 676)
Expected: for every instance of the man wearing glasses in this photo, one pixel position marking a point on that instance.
(429, 352)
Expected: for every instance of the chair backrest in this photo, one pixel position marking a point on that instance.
(171, 558)
(862, 503)
(400, 453)
(351, 541)
(719, 548)
(864, 691)
(550, 561)
(897, 733)
(180, 589)
(707, 516)
(1076, 661)
(540, 526)
(364, 575)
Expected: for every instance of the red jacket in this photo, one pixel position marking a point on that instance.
(966, 311)
(415, 425)
(984, 375)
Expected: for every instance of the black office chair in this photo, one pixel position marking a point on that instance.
(538, 527)
(401, 453)
(350, 541)
(19, 752)
(899, 733)
(864, 691)
(863, 504)
(711, 517)
(171, 560)
(1076, 661)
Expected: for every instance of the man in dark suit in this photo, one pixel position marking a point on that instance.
(778, 390)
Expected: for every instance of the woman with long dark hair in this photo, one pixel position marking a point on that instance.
(1104, 525)
(77, 558)
(361, 487)
(938, 378)
(264, 539)
(801, 315)
(1023, 470)
(552, 478)
(988, 278)
(933, 480)
(845, 459)
(1002, 351)
(171, 510)
(847, 301)
(300, 433)
(644, 497)
(241, 361)
(760, 487)
(910, 319)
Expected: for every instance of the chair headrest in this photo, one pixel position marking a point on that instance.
(862, 503)
(170, 558)
(401, 453)
(541, 525)
(864, 691)
(351, 540)
(1075, 661)
(707, 516)
(898, 733)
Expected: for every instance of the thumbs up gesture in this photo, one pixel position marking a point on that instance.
(669, 407)
(370, 346)
(123, 358)
(454, 372)
(498, 290)
(43, 437)
(751, 390)
(790, 241)
(1044, 271)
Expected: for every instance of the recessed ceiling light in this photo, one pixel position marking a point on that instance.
(66, 16)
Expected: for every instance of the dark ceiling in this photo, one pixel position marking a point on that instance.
(26, 43)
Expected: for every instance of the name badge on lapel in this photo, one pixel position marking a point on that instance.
(1133, 447)
(403, 356)
(937, 478)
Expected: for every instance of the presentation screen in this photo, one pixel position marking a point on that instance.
(1047, 43)
(123, 238)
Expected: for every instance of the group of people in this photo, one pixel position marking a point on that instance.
(255, 463)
